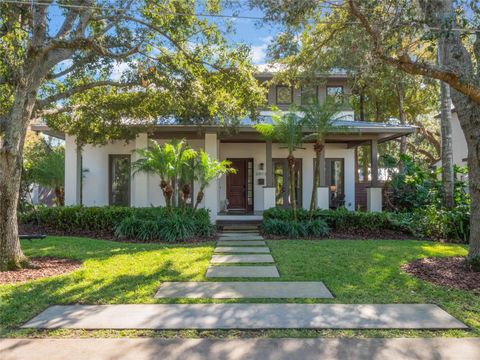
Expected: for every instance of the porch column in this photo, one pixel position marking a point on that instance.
(323, 191)
(211, 192)
(73, 171)
(140, 180)
(374, 191)
(268, 189)
(374, 156)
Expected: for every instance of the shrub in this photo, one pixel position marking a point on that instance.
(340, 219)
(295, 229)
(438, 223)
(144, 224)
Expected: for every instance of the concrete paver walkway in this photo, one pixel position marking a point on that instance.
(244, 289)
(241, 243)
(260, 271)
(240, 349)
(240, 238)
(245, 316)
(241, 249)
(241, 258)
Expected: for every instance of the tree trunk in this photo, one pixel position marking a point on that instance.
(447, 153)
(446, 133)
(318, 147)
(11, 255)
(469, 117)
(362, 106)
(199, 198)
(59, 196)
(167, 193)
(401, 116)
(293, 203)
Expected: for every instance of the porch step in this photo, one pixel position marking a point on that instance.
(244, 290)
(240, 238)
(239, 227)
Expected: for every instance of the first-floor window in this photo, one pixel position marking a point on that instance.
(119, 180)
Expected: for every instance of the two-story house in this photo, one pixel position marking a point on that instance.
(261, 181)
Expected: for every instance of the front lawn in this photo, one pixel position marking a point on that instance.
(355, 271)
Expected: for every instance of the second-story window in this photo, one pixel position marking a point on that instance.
(284, 95)
(309, 95)
(335, 93)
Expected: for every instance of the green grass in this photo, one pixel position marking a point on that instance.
(355, 271)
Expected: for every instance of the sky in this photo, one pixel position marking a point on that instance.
(254, 33)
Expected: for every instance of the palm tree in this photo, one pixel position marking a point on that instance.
(206, 170)
(49, 171)
(287, 129)
(320, 119)
(169, 161)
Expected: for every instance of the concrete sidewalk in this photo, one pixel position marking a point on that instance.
(262, 349)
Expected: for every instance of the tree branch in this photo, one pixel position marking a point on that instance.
(39, 19)
(39, 114)
(77, 89)
(68, 70)
(425, 153)
(174, 42)
(405, 63)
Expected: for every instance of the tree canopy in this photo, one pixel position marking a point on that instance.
(106, 64)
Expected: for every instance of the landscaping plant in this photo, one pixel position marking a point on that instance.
(286, 129)
(320, 119)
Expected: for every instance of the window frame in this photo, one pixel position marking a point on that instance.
(276, 95)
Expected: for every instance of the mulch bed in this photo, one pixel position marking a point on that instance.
(447, 271)
(40, 268)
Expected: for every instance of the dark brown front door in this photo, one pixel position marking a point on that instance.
(237, 185)
(240, 185)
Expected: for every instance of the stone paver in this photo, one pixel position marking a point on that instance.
(243, 289)
(240, 234)
(240, 349)
(240, 238)
(245, 316)
(241, 243)
(260, 271)
(238, 259)
(242, 249)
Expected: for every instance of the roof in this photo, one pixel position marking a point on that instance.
(270, 69)
(352, 132)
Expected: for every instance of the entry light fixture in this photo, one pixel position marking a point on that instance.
(260, 166)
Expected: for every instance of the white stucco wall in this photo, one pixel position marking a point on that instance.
(95, 181)
(95, 159)
(459, 144)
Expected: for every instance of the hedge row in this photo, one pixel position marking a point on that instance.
(144, 224)
(340, 219)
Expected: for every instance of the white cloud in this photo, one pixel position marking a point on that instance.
(259, 52)
(118, 70)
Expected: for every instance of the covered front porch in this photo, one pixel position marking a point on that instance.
(262, 177)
